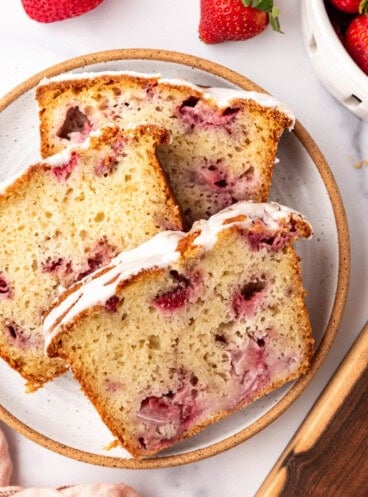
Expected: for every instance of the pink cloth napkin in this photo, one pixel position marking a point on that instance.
(89, 490)
(92, 490)
(5, 461)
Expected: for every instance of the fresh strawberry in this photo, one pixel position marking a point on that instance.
(340, 20)
(235, 19)
(57, 10)
(351, 6)
(356, 41)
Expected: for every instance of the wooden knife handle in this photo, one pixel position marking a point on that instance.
(328, 455)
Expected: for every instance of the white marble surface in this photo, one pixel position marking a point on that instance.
(278, 63)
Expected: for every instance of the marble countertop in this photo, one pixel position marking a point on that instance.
(278, 63)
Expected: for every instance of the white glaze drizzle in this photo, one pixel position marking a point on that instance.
(64, 156)
(222, 97)
(270, 213)
(55, 160)
(225, 96)
(159, 252)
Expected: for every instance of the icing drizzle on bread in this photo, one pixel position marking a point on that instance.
(68, 215)
(224, 139)
(188, 328)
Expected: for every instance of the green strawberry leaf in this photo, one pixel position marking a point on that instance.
(274, 20)
(272, 11)
(265, 5)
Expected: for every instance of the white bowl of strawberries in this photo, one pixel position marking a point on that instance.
(336, 36)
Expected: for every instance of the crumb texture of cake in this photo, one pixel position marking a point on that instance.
(66, 216)
(203, 323)
(224, 140)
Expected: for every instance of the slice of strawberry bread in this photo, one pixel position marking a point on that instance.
(187, 328)
(224, 140)
(64, 217)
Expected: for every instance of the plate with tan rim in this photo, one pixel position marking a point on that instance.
(58, 416)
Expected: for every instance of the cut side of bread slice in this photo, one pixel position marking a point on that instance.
(188, 328)
(224, 140)
(63, 218)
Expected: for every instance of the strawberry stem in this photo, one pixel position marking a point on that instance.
(265, 5)
(363, 7)
(272, 11)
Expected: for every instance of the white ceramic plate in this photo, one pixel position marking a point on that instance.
(58, 416)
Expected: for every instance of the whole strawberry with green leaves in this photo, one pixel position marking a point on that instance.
(235, 20)
(57, 10)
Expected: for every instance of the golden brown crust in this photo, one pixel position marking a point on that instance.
(147, 279)
(33, 364)
(251, 145)
(47, 95)
(197, 428)
(116, 430)
(34, 380)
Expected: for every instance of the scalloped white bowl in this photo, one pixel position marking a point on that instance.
(333, 65)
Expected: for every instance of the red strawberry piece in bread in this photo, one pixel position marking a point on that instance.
(356, 41)
(235, 19)
(57, 10)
